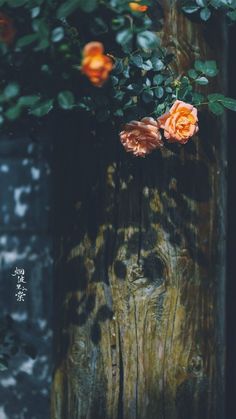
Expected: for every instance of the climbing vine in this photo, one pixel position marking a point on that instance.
(106, 58)
(206, 8)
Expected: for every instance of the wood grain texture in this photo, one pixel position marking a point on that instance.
(140, 248)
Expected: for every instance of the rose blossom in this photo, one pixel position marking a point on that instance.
(135, 7)
(95, 64)
(141, 137)
(180, 123)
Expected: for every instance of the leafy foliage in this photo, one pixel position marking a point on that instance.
(41, 69)
(205, 8)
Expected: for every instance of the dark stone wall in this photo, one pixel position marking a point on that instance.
(25, 242)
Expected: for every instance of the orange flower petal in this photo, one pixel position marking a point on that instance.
(141, 137)
(93, 48)
(180, 123)
(137, 7)
(96, 65)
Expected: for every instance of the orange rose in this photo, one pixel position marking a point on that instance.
(95, 64)
(7, 30)
(141, 137)
(180, 123)
(137, 7)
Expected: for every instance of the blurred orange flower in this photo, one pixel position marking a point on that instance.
(180, 123)
(7, 30)
(135, 7)
(95, 64)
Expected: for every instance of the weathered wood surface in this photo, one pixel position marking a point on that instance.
(140, 264)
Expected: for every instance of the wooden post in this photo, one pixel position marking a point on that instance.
(139, 284)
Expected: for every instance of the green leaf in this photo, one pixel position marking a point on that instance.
(70, 6)
(169, 80)
(161, 108)
(43, 44)
(35, 12)
(129, 104)
(136, 88)
(190, 8)
(159, 92)
(147, 96)
(201, 3)
(216, 3)
(136, 60)
(216, 108)
(232, 15)
(16, 3)
(11, 90)
(147, 65)
(158, 65)
(126, 72)
(185, 90)
(124, 37)
(198, 98)
(118, 22)
(205, 14)
(67, 8)
(202, 81)
(119, 67)
(184, 81)
(40, 26)
(26, 40)
(66, 99)
(229, 103)
(192, 74)
(214, 97)
(88, 5)
(28, 100)
(119, 112)
(158, 79)
(147, 40)
(119, 95)
(13, 112)
(199, 66)
(210, 68)
(57, 34)
(114, 80)
(42, 108)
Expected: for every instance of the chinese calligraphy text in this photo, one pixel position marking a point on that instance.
(19, 273)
